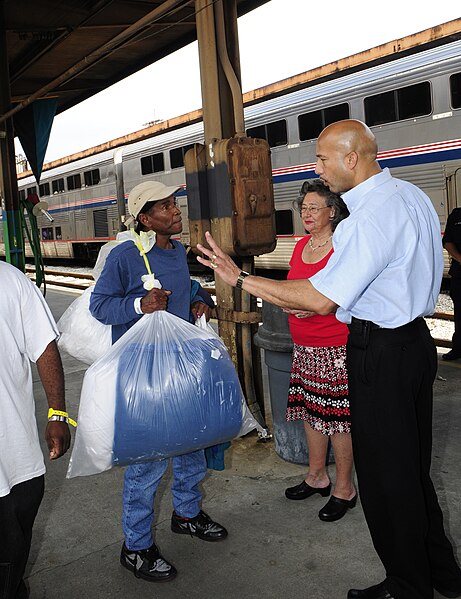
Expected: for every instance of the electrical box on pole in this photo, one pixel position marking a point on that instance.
(235, 185)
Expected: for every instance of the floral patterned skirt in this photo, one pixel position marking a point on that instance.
(318, 391)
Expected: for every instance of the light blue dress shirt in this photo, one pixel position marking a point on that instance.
(388, 263)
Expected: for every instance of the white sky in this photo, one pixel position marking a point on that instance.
(278, 40)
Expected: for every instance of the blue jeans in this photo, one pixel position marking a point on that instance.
(141, 483)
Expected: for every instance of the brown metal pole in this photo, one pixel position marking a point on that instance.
(215, 128)
(223, 119)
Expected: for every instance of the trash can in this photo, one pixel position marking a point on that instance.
(274, 337)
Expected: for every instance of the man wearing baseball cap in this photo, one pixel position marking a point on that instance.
(138, 278)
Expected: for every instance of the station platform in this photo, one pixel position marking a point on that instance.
(276, 548)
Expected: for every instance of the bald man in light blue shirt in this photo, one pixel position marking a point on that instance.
(383, 277)
(396, 223)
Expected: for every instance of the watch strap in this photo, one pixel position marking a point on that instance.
(240, 278)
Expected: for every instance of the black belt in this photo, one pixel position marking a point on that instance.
(360, 326)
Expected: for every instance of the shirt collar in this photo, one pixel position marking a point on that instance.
(353, 197)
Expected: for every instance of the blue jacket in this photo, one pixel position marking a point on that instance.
(112, 301)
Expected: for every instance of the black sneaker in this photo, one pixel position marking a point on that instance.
(147, 564)
(202, 526)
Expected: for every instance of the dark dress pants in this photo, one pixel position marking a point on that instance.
(17, 514)
(391, 373)
(455, 294)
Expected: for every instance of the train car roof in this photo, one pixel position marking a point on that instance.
(436, 44)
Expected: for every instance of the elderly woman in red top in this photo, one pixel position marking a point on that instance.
(318, 392)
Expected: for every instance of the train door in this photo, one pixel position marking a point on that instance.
(454, 188)
(100, 223)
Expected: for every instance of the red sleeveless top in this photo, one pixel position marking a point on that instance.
(317, 330)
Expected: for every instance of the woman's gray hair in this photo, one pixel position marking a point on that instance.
(331, 199)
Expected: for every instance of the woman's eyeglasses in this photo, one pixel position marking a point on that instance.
(311, 209)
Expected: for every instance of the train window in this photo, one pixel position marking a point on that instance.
(47, 233)
(152, 164)
(57, 186)
(92, 177)
(284, 222)
(399, 104)
(414, 100)
(177, 156)
(380, 109)
(101, 227)
(275, 133)
(74, 182)
(336, 113)
(22, 194)
(58, 233)
(31, 190)
(312, 123)
(44, 189)
(257, 132)
(455, 90)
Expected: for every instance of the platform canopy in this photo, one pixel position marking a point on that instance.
(70, 50)
(61, 52)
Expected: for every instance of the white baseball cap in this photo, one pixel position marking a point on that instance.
(148, 191)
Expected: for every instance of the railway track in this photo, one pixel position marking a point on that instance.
(64, 279)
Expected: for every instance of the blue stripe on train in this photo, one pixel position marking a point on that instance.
(441, 156)
(433, 157)
(101, 204)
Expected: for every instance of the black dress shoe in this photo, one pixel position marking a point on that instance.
(336, 508)
(378, 591)
(451, 355)
(303, 491)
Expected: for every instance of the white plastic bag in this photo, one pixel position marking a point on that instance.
(165, 388)
(82, 336)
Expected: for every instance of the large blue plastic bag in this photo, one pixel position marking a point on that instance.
(165, 388)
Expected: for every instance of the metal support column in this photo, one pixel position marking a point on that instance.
(120, 187)
(223, 119)
(12, 214)
(218, 123)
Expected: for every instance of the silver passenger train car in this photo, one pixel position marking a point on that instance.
(412, 104)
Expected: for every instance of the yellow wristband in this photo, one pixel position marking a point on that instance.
(52, 412)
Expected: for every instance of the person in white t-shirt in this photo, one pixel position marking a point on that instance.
(28, 333)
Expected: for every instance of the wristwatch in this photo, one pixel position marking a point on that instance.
(56, 418)
(240, 278)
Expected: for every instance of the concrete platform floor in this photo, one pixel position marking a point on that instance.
(276, 548)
